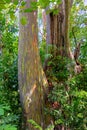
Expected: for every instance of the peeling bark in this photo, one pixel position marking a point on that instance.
(32, 80)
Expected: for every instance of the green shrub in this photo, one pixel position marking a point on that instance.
(68, 95)
(9, 95)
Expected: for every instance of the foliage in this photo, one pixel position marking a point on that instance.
(9, 96)
(35, 125)
(6, 118)
(45, 51)
(67, 94)
(42, 51)
(78, 27)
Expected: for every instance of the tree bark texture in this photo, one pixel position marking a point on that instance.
(58, 34)
(32, 80)
(57, 28)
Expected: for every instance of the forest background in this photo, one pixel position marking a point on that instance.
(52, 74)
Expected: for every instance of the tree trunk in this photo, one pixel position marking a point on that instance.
(58, 34)
(32, 81)
(57, 28)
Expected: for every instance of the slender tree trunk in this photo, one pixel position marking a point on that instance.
(32, 81)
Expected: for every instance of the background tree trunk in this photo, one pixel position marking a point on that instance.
(58, 34)
(32, 81)
(57, 28)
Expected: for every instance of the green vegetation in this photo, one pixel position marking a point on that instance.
(67, 96)
(10, 110)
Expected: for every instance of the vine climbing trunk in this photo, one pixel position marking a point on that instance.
(32, 80)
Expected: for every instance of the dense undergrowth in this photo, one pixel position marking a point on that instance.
(68, 94)
(10, 109)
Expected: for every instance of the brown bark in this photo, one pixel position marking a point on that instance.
(58, 26)
(57, 29)
(32, 81)
(48, 29)
(54, 31)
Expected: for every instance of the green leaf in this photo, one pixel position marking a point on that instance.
(6, 107)
(28, 10)
(15, 2)
(35, 124)
(50, 127)
(1, 111)
(80, 115)
(23, 3)
(2, 6)
(43, 3)
(8, 127)
(12, 16)
(23, 20)
(7, 1)
(60, 121)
